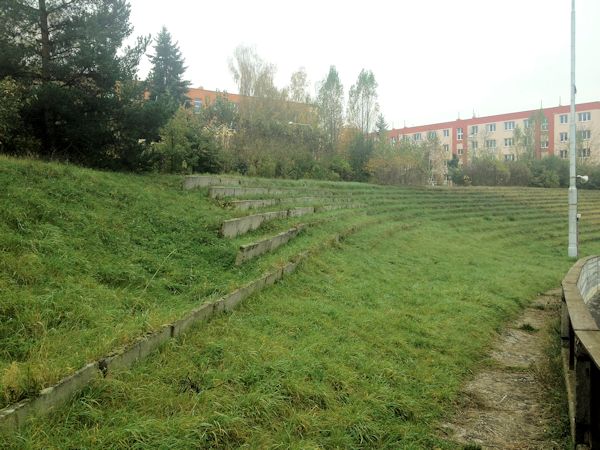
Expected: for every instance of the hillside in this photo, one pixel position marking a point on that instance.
(367, 345)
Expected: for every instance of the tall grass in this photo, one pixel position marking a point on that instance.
(365, 347)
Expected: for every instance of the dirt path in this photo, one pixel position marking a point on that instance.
(503, 406)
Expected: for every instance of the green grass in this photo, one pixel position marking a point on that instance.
(91, 260)
(366, 346)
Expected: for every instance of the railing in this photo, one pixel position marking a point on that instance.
(581, 341)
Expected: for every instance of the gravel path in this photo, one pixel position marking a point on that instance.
(503, 406)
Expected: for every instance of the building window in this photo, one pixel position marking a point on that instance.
(417, 136)
(446, 148)
(490, 127)
(564, 154)
(431, 135)
(526, 123)
(544, 144)
(474, 145)
(508, 142)
(564, 136)
(490, 143)
(509, 125)
(459, 134)
(585, 153)
(474, 130)
(459, 151)
(586, 135)
(545, 124)
(197, 105)
(584, 116)
(446, 133)
(564, 118)
(510, 157)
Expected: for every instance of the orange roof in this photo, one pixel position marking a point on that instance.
(207, 97)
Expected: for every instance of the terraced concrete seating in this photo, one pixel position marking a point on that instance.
(195, 181)
(236, 227)
(267, 245)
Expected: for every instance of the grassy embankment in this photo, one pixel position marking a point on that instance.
(366, 346)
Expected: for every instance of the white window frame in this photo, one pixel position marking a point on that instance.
(490, 127)
(509, 142)
(417, 137)
(510, 125)
(563, 136)
(586, 135)
(564, 118)
(459, 134)
(446, 132)
(544, 144)
(584, 116)
(564, 154)
(490, 143)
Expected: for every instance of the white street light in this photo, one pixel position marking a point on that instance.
(573, 251)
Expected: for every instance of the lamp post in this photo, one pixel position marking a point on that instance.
(573, 251)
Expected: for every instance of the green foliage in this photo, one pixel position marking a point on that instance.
(330, 106)
(362, 102)
(186, 145)
(487, 172)
(78, 102)
(11, 125)
(359, 153)
(166, 76)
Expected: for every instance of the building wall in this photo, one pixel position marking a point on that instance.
(547, 139)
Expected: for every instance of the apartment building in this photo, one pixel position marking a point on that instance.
(201, 98)
(543, 132)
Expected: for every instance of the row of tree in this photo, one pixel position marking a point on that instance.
(70, 91)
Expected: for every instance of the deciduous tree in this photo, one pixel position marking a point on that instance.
(330, 106)
(362, 102)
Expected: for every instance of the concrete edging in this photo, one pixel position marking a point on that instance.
(254, 249)
(241, 225)
(16, 415)
(196, 181)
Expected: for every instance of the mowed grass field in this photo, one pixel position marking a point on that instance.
(365, 346)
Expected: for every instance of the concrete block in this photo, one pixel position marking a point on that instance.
(220, 192)
(273, 277)
(236, 227)
(48, 399)
(134, 352)
(297, 212)
(195, 181)
(199, 314)
(151, 342)
(244, 205)
(249, 251)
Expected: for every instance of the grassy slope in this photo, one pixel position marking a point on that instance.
(365, 347)
(91, 260)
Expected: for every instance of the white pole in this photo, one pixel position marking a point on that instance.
(573, 157)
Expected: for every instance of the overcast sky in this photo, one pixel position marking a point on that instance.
(433, 59)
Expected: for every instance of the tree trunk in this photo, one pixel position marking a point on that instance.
(47, 146)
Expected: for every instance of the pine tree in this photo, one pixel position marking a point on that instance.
(166, 77)
(69, 56)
